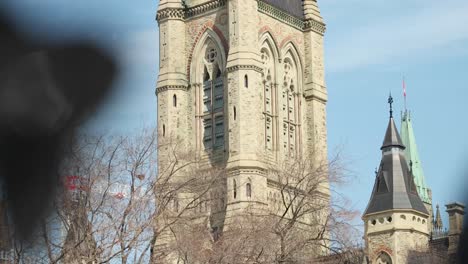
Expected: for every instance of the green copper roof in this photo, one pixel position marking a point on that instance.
(412, 157)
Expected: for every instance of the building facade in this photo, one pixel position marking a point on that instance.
(241, 85)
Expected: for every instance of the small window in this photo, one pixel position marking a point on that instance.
(389, 219)
(164, 130)
(234, 188)
(373, 222)
(246, 81)
(235, 114)
(403, 217)
(174, 100)
(248, 190)
(176, 204)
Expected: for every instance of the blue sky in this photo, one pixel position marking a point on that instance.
(369, 46)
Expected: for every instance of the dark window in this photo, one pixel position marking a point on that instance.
(246, 81)
(235, 188)
(248, 190)
(176, 204)
(235, 113)
(174, 100)
(164, 130)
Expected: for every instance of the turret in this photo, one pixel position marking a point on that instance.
(395, 220)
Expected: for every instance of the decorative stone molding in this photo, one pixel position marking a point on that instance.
(173, 13)
(314, 25)
(205, 7)
(171, 87)
(298, 23)
(183, 13)
(280, 15)
(179, 13)
(244, 67)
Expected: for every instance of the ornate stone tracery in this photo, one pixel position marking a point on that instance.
(207, 69)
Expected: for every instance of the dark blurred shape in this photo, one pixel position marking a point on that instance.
(45, 93)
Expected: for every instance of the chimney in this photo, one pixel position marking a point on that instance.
(455, 211)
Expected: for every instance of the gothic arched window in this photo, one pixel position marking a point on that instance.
(248, 189)
(269, 97)
(213, 100)
(383, 258)
(176, 204)
(290, 106)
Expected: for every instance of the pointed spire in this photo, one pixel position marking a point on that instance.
(438, 220)
(394, 187)
(412, 155)
(392, 137)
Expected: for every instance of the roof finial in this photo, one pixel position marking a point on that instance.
(390, 102)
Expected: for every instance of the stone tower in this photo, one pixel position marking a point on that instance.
(456, 212)
(395, 220)
(412, 157)
(241, 85)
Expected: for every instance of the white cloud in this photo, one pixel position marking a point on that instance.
(430, 29)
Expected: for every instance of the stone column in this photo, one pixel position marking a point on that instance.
(456, 211)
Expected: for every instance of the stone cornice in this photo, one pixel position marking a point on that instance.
(298, 23)
(205, 7)
(184, 13)
(171, 87)
(314, 25)
(394, 229)
(173, 13)
(280, 15)
(244, 67)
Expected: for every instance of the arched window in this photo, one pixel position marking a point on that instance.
(246, 81)
(174, 100)
(290, 110)
(164, 130)
(176, 204)
(248, 190)
(383, 258)
(269, 97)
(234, 184)
(213, 99)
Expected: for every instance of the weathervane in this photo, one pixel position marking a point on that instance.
(390, 102)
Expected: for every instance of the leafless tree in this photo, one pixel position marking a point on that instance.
(301, 223)
(112, 198)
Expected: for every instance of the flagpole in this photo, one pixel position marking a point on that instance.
(404, 91)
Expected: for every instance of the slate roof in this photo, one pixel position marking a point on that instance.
(293, 7)
(394, 187)
(392, 137)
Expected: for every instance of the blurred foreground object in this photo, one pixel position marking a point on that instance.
(45, 93)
